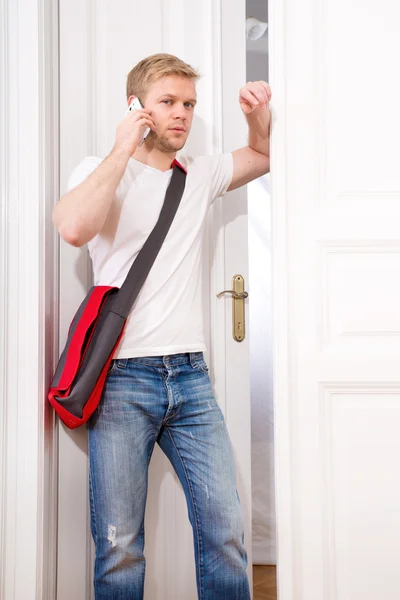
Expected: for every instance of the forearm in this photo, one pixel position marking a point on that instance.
(259, 122)
(80, 214)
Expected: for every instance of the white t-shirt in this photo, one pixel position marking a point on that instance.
(167, 316)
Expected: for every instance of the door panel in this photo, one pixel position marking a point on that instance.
(335, 194)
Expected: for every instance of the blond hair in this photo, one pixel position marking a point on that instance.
(152, 69)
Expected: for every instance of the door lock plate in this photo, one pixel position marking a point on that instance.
(238, 310)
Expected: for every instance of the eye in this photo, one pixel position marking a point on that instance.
(187, 104)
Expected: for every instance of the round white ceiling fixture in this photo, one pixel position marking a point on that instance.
(255, 29)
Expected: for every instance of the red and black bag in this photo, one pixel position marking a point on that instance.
(100, 320)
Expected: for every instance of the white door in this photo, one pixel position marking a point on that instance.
(335, 185)
(99, 43)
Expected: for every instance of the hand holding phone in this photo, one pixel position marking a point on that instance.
(133, 129)
(137, 105)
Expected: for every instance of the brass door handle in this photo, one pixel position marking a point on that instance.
(238, 296)
(234, 294)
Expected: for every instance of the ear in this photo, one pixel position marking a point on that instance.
(131, 98)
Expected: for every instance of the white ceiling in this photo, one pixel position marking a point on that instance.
(257, 9)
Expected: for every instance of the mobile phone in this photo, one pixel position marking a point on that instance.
(137, 105)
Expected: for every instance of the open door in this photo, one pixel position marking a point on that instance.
(335, 188)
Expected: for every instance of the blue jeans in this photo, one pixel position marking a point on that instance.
(168, 400)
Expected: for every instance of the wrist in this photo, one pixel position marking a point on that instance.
(120, 155)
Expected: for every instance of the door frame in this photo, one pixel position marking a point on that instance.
(29, 298)
(277, 11)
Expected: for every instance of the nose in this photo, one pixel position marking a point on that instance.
(180, 111)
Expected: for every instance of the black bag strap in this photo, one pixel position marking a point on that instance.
(129, 291)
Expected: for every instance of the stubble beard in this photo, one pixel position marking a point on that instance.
(163, 144)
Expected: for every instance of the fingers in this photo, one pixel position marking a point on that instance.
(139, 111)
(142, 115)
(148, 122)
(257, 93)
(267, 89)
(246, 94)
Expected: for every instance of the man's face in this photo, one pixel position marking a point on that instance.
(172, 100)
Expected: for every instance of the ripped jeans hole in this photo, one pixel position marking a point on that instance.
(112, 535)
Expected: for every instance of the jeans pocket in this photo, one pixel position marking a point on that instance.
(111, 367)
(203, 366)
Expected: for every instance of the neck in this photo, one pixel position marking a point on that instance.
(154, 158)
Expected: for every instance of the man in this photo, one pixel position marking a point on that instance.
(157, 387)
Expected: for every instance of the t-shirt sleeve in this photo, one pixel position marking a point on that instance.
(221, 170)
(82, 171)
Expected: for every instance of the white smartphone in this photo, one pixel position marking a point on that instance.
(137, 105)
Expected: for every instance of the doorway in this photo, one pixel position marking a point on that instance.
(169, 539)
(260, 335)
